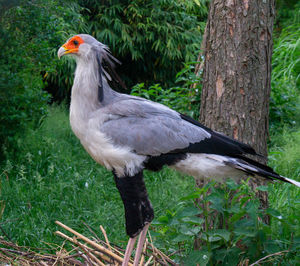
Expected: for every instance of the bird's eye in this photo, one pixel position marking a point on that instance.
(75, 42)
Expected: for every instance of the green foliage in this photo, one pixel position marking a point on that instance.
(23, 103)
(154, 36)
(30, 34)
(184, 98)
(285, 82)
(230, 226)
(284, 157)
(284, 154)
(285, 11)
(66, 22)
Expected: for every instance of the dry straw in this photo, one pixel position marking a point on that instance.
(84, 251)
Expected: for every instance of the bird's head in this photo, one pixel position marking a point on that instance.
(86, 49)
(79, 45)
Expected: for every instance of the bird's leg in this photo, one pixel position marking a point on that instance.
(128, 251)
(140, 245)
(138, 209)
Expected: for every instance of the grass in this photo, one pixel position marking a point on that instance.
(284, 157)
(53, 178)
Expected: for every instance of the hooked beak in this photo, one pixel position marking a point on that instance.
(63, 51)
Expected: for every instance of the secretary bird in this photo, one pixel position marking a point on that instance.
(128, 134)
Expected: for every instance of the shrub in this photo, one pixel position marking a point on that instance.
(285, 80)
(234, 236)
(154, 36)
(30, 35)
(238, 233)
(184, 98)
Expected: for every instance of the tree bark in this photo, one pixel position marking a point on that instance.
(237, 72)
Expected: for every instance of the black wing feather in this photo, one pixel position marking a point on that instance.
(216, 144)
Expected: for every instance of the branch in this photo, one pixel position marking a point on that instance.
(280, 253)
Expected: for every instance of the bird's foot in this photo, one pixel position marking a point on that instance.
(139, 248)
(128, 251)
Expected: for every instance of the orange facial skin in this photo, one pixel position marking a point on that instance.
(72, 45)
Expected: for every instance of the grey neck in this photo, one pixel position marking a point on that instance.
(86, 85)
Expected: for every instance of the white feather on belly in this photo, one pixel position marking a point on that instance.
(120, 159)
(208, 166)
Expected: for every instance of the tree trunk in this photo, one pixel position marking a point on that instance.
(237, 72)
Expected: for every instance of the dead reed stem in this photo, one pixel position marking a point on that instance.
(84, 251)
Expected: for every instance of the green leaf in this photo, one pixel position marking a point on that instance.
(245, 232)
(211, 236)
(217, 202)
(274, 213)
(163, 219)
(174, 221)
(194, 195)
(198, 257)
(236, 217)
(189, 211)
(189, 231)
(232, 185)
(222, 233)
(193, 220)
(235, 209)
(181, 238)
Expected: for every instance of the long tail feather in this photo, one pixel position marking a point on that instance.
(291, 181)
(253, 167)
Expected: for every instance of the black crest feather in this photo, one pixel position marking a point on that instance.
(100, 85)
(106, 65)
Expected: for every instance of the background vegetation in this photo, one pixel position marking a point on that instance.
(47, 176)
